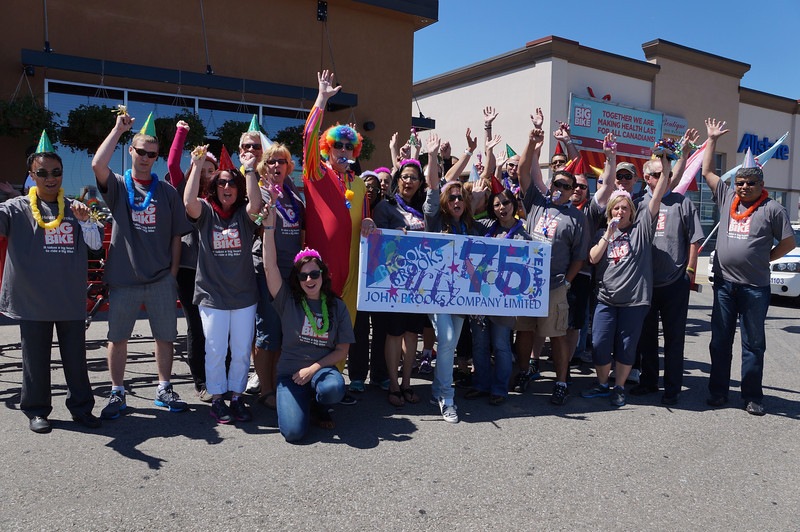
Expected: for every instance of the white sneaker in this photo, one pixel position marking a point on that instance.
(253, 385)
(633, 376)
(449, 412)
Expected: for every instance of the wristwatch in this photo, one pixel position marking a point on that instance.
(567, 284)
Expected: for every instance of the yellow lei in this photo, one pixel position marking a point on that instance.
(38, 215)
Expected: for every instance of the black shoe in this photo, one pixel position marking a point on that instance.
(560, 394)
(474, 394)
(348, 400)
(754, 408)
(87, 419)
(39, 424)
(643, 389)
(668, 400)
(239, 410)
(716, 400)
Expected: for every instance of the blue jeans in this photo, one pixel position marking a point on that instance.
(616, 329)
(485, 340)
(748, 304)
(293, 401)
(448, 329)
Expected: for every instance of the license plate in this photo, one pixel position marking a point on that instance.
(776, 280)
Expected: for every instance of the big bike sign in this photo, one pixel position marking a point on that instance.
(636, 130)
(435, 273)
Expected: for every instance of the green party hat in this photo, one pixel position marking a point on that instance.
(149, 127)
(254, 125)
(44, 143)
(509, 152)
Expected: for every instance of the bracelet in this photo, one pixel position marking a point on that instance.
(467, 152)
(269, 227)
(688, 269)
(247, 170)
(604, 238)
(568, 142)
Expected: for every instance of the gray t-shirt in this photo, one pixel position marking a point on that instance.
(625, 271)
(301, 347)
(411, 221)
(564, 227)
(742, 253)
(44, 277)
(140, 251)
(289, 225)
(677, 226)
(225, 278)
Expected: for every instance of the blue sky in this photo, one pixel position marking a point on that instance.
(764, 35)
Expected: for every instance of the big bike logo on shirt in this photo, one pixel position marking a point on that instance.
(307, 333)
(226, 241)
(739, 229)
(145, 221)
(546, 226)
(60, 239)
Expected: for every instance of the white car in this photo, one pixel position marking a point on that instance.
(784, 278)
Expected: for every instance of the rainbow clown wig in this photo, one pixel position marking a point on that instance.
(339, 133)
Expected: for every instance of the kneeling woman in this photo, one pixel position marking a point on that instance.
(225, 286)
(317, 333)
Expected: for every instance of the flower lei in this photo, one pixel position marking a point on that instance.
(409, 209)
(38, 215)
(147, 198)
(749, 211)
(222, 214)
(284, 214)
(313, 320)
(494, 230)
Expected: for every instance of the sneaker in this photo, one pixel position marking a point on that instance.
(449, 412)
(240, 410)
(752, 407)
(617, 396)
(534, 369)
(633, 376)
(253, 385)
(357, 386)
(220, 411)
(348, 400)
(560, 394)
(716, 400)
(204, 396)
(425, 367)
(598, 390)
(116, 404)
(168, 398)
(522, 381)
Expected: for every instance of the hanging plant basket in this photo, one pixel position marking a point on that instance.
(165, 131)
(88, 126)
(26, 117)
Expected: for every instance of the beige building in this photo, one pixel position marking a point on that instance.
(672, 88)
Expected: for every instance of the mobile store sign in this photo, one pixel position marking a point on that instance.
(636, 130)
(435, 273)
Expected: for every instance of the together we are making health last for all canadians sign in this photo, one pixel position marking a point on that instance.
(435, 273)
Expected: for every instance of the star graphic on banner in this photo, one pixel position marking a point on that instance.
(393, 291)
(421, 291)
(453, 268)
(512, 251)
(424, 242)
(519, 297)
(481, 268)
(506, 290)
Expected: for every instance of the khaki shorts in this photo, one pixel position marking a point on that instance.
(555, 323)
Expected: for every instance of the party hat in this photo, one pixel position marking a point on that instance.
(570, 166)
(473, 174)
(509, 152)
(44, 143)
(558, 151)
(749, 160)
(149, 127)
(254, 125)
(497, 187)
(225, 162)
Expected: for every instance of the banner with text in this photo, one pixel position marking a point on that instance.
(636, 130)
(436, 273)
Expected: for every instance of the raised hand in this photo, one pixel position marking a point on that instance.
(124, 123)
(472, 142)
(444, 149)
(393, 142)
(492, 143)
(501, 158)
(405, 152)
(610, 146)
(536, 136)
(432, 144)
(562, 133)
(182, 124)
(489, 114)
(537, 118)
(81, 211)
(326, 85)
(248, 159)
(199, 153)
(715, 129)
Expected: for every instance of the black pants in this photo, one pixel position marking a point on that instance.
(366, 355)
(195, 340)
(37, 344)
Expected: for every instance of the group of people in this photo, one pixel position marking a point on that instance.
(265, 272)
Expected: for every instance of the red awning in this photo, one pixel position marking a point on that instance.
(598, 160)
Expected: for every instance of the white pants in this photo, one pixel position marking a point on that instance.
(218, 325)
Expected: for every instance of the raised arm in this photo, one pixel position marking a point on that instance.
(175, 152)
(529, 159)
(661, 187)
(106, 150)
(689, 138)
(394, 150)
(190, 199)
(312, 167)
(268, 252)
(254, 201)
(489, 114)
(432, 146)
(562, 134)
(715, 130)
(605, 188)
(455, 171)
(491, 161)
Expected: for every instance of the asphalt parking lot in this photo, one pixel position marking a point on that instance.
(526, 464)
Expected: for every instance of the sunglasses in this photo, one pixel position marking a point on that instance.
(740, 184)
(276, 161)
(41, 172)
(512, 165)
(624, 177)
(454, 197)
(251, 146)
(409, 177)
(314, 274)
(222, 183)
(558, 163)
(142, 152)
(657, 175)
(347, 146)
(372, 188)
(563, 185)
(581, 187)
(504, 203)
